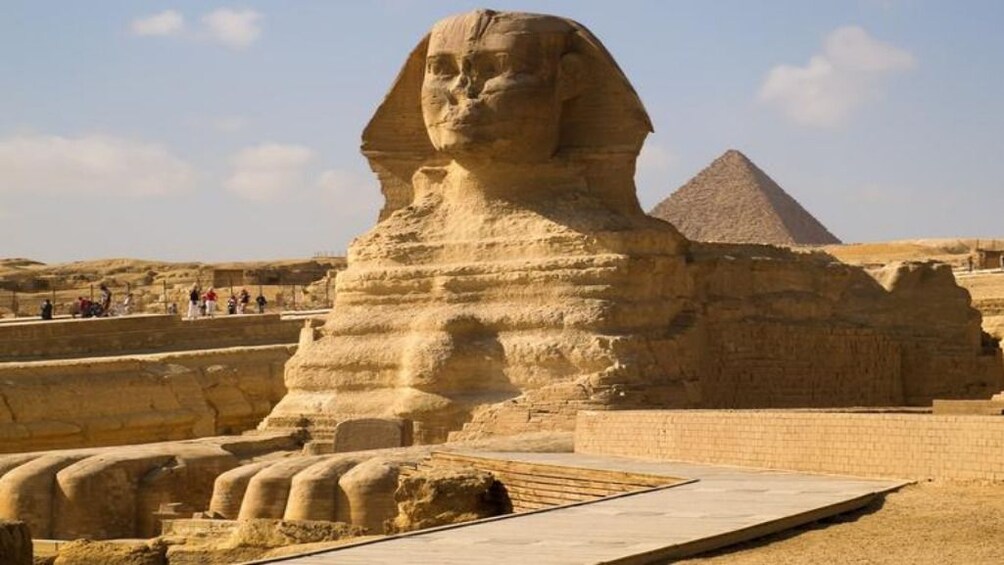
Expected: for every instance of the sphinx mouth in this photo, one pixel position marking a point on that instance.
(465, 115)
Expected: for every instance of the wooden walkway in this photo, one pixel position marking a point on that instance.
(720, 507)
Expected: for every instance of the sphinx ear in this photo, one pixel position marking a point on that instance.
(571, 76)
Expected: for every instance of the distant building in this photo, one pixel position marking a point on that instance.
(733, 201)
(299, 273)
(988, 258)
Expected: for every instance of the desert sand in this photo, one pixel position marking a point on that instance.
(925, 523)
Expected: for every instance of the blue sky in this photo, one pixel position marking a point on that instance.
(224, 131)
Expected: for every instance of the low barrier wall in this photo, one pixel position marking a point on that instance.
(138, 399)
(902, 445)
(95, 337)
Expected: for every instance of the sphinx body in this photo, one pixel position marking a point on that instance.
(512, 255)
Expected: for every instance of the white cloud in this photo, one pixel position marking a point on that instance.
(339, 182)
(265, 171)
(351, 194)
(168, 22)
(236, 29)
(833, 84)
(92, 165)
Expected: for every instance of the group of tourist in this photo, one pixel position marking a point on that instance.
(87, 308)
(203, 304)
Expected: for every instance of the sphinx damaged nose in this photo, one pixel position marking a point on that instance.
(467, 86)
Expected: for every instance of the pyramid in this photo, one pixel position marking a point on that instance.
(733, 201)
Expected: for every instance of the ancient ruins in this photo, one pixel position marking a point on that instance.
(731, 187)
(512, 283)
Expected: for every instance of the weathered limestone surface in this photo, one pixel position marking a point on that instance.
(82, 552)
(104, 493)
(516, 257)
(780, 329)
(359, 488)
(222, 542)
(137, 399)
(15, 543)
(146, 333)
(436, 497)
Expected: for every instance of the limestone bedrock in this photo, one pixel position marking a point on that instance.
(512, 255)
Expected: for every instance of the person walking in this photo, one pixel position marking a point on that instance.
(210, 302)
(193, 302)
(243, 300)
(261, 303)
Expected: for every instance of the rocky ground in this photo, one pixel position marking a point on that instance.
(927, 523)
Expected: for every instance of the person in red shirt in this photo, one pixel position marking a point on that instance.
(210, 299)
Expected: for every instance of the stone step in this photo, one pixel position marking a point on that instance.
(532, 486)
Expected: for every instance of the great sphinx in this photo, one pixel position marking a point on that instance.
(511, 281)
(512, 255)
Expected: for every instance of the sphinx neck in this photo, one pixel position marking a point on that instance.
(507, 181)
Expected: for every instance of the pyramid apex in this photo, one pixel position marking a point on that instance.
(734, 154)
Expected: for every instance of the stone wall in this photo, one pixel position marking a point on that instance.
(902, 445)
(769, 364)
(138, 399)
(778, 329)
(140, 334)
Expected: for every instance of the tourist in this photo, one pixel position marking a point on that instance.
(193, 302)
(46, 312)
(127, 304)
(232, 305)
(172, 308)
(77, 307)
(106, 301)
(86, 307)
(242, 303)
(261, 303)
(210, 302)
(969, 260)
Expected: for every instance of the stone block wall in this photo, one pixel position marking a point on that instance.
(902, 445)
(62, 339)
(774, 365)
(137, 399)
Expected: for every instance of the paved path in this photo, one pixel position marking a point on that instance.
(724, 505)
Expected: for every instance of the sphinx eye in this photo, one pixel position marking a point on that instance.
(441, 66)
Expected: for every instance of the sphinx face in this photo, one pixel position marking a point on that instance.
(493, 91)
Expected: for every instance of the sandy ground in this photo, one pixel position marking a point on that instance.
(951, 251)
(927, 523)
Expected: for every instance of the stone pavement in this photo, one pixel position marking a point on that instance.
(720, 507)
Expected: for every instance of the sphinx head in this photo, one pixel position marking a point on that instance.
(505, 87)
(495, 84)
